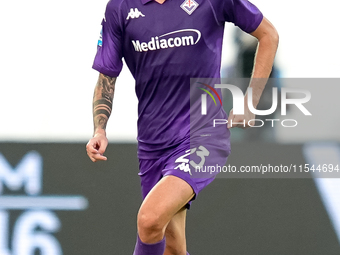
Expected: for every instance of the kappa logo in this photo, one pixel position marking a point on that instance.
(189, 6)
(134, 14)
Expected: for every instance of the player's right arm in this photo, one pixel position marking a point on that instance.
(102, 107)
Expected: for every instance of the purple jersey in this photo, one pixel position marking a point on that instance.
(164, 45)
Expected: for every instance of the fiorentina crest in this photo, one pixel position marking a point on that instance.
(189, 6)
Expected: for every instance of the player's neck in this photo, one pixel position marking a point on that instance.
(160, 1)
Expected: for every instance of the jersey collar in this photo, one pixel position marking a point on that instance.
(145, 1)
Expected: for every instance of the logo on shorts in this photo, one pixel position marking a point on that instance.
(134, 14)
(189, 6)
(202, 152)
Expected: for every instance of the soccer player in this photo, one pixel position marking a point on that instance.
(165, 43)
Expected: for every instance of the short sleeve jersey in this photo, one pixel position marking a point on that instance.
(164, 45)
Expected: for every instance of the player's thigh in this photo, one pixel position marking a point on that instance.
(175, 234)
(165, 199)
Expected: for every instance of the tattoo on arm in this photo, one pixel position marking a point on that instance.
(102, 100)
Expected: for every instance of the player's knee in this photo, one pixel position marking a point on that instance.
(150, 227)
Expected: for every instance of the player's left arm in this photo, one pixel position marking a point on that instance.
(268, 40)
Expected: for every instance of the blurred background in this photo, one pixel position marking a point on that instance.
(54, 201)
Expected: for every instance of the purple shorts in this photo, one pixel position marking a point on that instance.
(195, 161)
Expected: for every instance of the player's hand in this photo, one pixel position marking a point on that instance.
(241, 121)
(96, 147)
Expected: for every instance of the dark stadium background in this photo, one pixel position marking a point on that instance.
(232, 215)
